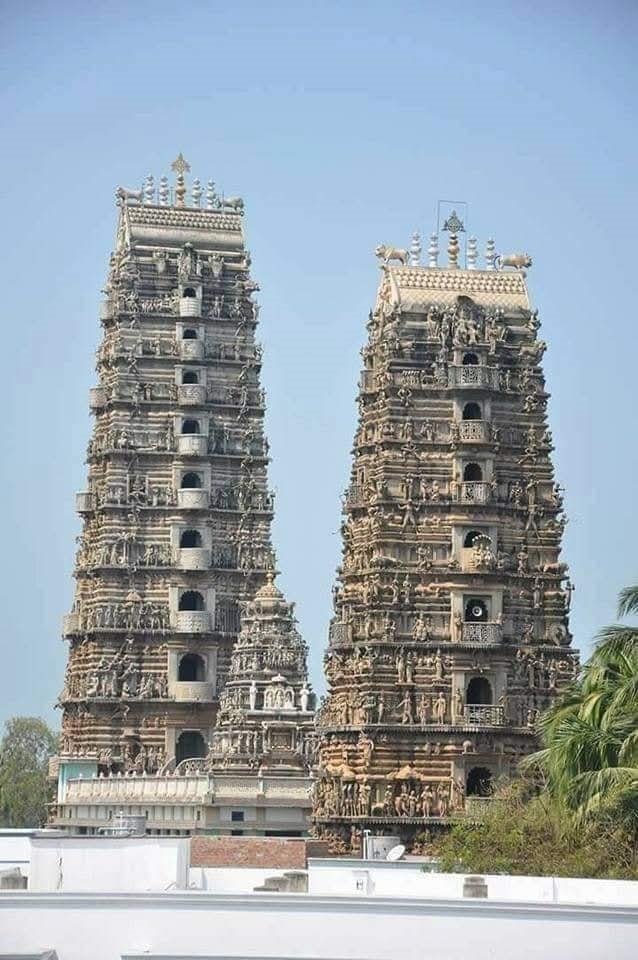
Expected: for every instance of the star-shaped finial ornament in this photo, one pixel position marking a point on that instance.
(180, 166)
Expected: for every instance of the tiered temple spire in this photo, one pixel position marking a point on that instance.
(177, 509)
(451, 604)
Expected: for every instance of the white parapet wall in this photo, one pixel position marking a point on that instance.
(108, 864)
(186, 925)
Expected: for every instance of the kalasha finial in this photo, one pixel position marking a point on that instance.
(180, 167)
(490, 254)
(196, 192)
(472, 253)
(211, 196)
(149, 189)
(163, 191)
(433, 251)
(415, 250)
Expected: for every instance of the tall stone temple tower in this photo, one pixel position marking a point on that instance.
(451, 629)
(177, 515)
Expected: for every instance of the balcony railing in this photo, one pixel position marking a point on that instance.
(194, 558)
(486, 632)
(472, 376)
(474, 431)
(84, 502)
(473, 491)
(192, 621)
(97, 398)
(191, 394)
(191, 349)
(191, 690)
(70, 624)
(192, 444)
(354, 495)
(483, 713)
(190, 307)
(193, 499)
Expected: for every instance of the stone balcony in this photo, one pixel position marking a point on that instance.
(191, 690)
(190, 307)
(474, 431)
(339, 633)
(84, 502)
(472, 376)
(70, 624)
(473, 491)
(191, 349)
(192, 621)
(486, 632)
(192, 444)
(191, 394)
(97, 398)
(483, 714)
(107, 310)
(354, 495)
(193, 498)
(193, 558)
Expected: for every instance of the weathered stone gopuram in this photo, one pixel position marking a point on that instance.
(451, 605)
(161, 684)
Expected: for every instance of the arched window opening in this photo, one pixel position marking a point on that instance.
(191, 481)
(479, 782)
(189, 292)
(479, 690)
(472, 472)
(472, 537)
(190, 538)
(472, 411)
(192, 669)
(189, 334)
(475, 611)
(190, 745)
(190, 426)
(190, 376)
(191, 600)
(470, 360)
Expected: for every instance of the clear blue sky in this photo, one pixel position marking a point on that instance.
(342, 125)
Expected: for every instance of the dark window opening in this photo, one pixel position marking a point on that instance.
(190, 745)
(470, 360)
(479, 782)
(191, 480)
(190, 426)
(189, 334)
(471, 537)
(472, 411)
(472, 472)
(237, 816)
(190, 376)
(192, 669)
(191, 600)
(189, 292)
(190, 538)
(479, 690)
(475, 611)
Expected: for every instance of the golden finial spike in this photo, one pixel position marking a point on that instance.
(180, 166)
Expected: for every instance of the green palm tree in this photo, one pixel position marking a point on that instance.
(590, 736)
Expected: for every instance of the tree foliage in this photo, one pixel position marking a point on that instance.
(526, 832)
(25, 749)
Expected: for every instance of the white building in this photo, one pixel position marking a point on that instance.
(114, 899)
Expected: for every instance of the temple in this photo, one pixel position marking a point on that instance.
(450, 630)
(167, 687)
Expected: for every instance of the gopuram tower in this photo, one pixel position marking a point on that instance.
(177, 510)
(451, 629)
